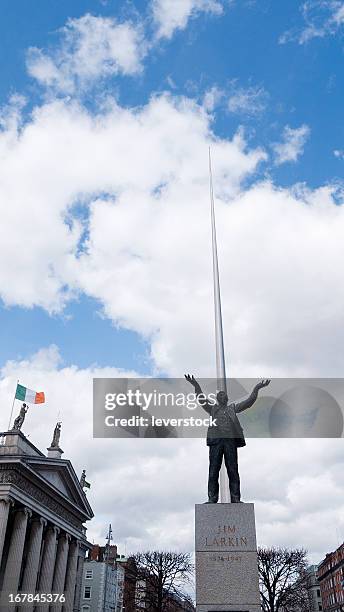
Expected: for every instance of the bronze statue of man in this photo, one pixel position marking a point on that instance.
(224, 437)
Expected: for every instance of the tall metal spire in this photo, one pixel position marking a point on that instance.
(219, 343)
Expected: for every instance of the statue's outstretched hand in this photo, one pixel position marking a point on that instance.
(263, 383)
(191, 379)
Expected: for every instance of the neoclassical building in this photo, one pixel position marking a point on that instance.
(43, 509)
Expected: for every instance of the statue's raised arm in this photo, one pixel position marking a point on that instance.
(199, 393)
(192, 380)
(249, 401)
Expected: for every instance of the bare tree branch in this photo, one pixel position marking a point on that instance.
(281, 580)
(162, 575)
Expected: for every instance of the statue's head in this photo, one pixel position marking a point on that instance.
(222, 398)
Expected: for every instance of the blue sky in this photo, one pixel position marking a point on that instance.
(304, 82)
(298, 84)
(107, 112)
(86, 337)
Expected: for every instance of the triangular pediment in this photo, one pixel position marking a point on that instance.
(60, 476)
(58, 479)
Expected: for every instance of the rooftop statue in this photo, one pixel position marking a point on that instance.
(18, 422)
(56, 437)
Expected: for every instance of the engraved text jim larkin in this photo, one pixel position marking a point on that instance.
(225, 537)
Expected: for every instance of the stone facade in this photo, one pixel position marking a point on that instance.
(42, 514)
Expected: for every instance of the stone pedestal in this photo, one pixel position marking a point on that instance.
(226, 558)
(54, 452)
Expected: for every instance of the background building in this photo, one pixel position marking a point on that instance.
(313, 588)
(103, 581)
(130, 580)
(42, 513)
(331, 578)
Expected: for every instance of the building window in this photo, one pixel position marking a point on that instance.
(320, 607)
(89, 574)
(318, 592)
(87, 592)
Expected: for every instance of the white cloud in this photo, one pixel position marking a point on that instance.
(247, 101)
(338, 13)
(92, 48)
(65, 155)
(292, 145)
(212, 98)
(172, 15)
(154, 484)
(321, 18)
(146, 251)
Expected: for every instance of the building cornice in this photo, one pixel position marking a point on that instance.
(17, 477)
(20, 435)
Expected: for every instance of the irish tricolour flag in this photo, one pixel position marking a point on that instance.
(29, 396)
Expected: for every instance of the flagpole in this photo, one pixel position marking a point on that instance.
(219, 342)
(14, 399)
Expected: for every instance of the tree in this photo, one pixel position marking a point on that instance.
(160, 577)
(282, 580)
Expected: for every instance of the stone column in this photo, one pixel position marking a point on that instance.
(48, 563)
(33, 556)
(5, 503)
(15, 554)
(79, 575)
(60, 567)
(71, 576)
